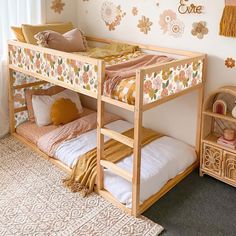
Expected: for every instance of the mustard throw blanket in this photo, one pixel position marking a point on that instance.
(84, 173)
(114, 49)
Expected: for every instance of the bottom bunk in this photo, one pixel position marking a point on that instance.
(165, 161)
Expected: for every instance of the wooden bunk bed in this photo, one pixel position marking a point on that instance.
(40, 64)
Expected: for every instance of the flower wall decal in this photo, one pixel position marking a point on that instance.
(134, 11)
(111, 14)
(58, 6)
(144, 24)
(230, 62)
(165, 18)
(200, 29)
(176, 28)
(169, 23)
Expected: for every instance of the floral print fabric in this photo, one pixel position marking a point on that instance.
(171, 81)
(72, 72)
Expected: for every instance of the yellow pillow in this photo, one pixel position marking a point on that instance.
(63, 111)
(18, 33)
(29, 31)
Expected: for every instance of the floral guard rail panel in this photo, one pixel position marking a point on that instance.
(166, 82)
(72, 72)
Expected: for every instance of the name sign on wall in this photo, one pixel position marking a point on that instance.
(189, 8)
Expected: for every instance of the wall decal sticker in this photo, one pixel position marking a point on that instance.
(144, 24)
(230, 62)
(169, 23)
(200, 29)
(134, 11)
(189, 8)
(176, 28)
(165, 18)
(57, 6)
(111, 14)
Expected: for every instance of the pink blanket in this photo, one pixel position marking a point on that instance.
(49, 142)
(127, 69)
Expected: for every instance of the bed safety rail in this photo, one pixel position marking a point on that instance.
(72, 71)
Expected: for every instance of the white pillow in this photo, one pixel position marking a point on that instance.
(42, 105)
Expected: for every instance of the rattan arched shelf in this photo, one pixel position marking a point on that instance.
(216, 160)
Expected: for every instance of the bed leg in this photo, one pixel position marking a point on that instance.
(100, 124)
(199, 135)
(11, 101)
(138, 115)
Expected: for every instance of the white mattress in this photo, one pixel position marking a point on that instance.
(161, 161)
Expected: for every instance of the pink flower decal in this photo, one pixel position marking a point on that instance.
(165, 18)
(147, 86)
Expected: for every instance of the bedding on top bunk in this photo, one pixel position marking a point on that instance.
(123, 58)
(122, 61)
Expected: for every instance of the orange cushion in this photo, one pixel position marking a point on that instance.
(30, 92)
(63, 111)
(18, 33)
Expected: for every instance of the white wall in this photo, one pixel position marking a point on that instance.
(68, 14)
(177, 118)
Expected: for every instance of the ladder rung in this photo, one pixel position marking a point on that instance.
(118, 137)
(118, 103)
(117, 170)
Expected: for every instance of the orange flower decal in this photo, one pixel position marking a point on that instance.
(135, 11)
(145, 24)
(58, 6)
(230, 62)
(147, 86)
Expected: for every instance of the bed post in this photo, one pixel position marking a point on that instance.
(138, 116)
(11, 101)
(100, 123)
(201, 92)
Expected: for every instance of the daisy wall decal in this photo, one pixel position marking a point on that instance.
(145, 24)
(134, 11)
(230, 62)
(58, 6)
(111, 14)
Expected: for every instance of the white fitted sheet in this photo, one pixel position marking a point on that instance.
(161, 161)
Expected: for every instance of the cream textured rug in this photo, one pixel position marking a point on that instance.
(33, 201)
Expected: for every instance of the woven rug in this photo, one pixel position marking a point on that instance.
(33, 201)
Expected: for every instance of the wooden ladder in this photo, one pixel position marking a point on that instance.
(135, 143)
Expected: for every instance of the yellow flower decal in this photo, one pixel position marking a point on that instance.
(58, 6)
(166, 74)
(230, 62)
(195, 65)
(145, 24)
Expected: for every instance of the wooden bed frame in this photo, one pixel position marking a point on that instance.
(23, 58)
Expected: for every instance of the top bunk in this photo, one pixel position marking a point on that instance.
(87, 75)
